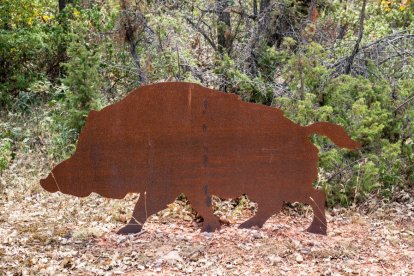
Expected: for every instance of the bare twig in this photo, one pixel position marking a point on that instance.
(346, 168)
(202, 32)
(350, 59)
(404, 103)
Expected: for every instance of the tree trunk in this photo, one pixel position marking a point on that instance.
(255, 8)
(355, 51)
(264, 15)
(62, 4)
(131, 40)
(264, 22)
(56, 69)
(224, 36)
(264, 4)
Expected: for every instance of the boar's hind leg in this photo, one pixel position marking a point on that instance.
(317, 201)
(202, 204)
(265, 210)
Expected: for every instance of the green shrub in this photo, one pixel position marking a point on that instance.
(5, 153)
(78, 95)
(27, 29)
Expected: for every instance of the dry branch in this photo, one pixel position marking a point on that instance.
(350, 59)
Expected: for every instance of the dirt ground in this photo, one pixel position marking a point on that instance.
(56, 234)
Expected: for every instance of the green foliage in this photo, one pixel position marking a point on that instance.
(8, 137)
(5, 153)
(26, 46)
(250, 89)
(83, 83)
(78, 95)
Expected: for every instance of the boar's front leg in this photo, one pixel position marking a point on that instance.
(137, 221)
(143, 209)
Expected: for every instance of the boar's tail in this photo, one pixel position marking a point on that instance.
(334, 132)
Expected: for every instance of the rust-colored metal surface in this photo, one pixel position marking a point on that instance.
(171, 138)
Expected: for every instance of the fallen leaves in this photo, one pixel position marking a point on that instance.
(42, 233)
(175, 246)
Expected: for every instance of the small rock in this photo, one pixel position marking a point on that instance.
(224, 220)
(207, 235)
(173, 257)
(274, 259)
(296, 243)
(257, 235)
(299, 258)
(195, 256)
(66, 263)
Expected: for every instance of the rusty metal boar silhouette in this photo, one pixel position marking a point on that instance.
(171, 138)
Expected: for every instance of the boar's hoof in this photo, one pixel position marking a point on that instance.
(211, 226)
(317, 229)
(250, 224)
(129, 229)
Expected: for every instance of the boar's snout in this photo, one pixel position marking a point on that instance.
(69, 177)
(48, 184)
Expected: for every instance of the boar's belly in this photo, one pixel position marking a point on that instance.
(248, 177)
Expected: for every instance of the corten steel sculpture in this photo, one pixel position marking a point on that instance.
(171, 138)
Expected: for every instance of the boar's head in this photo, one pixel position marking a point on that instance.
(76, 176)
(69, 178)
(97, 165)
